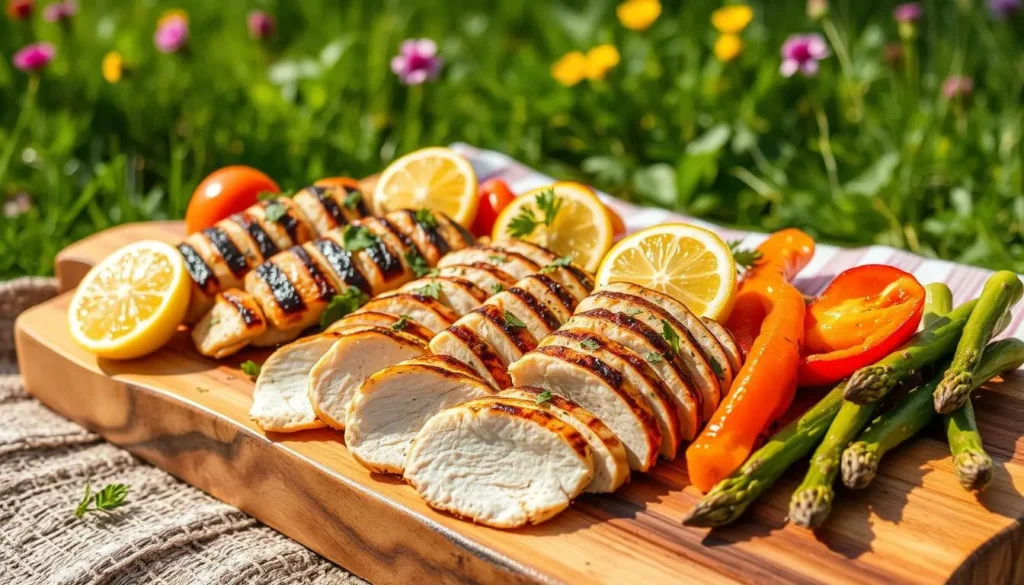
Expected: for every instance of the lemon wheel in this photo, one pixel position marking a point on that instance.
(433, 178)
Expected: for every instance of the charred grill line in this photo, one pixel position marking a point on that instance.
(329, 205)
(537, 307)
(432, 234)
(568, 301)
(361, 204)
(287, 221)
(250, 317)
(283, 290)
(522, 339)
(198, 269)
(483, 351)
(233, 257)
(255, 230)
(323, 286)
(341, 261)
(385, 259)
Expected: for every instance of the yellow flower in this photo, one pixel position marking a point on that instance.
(113, 67)
(638, 14)
(727, 47)
(731, 20)
(570, 69)
(600, 60)
(174, 14)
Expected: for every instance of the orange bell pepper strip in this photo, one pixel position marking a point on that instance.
(768, 323)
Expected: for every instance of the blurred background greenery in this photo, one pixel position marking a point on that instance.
(869, 150)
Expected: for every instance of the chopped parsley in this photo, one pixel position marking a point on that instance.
(356, 238)
(670, 335)
(633, 312)
(431, 289)
(399, 325)
(497, 259)
(745, 259)
(417, 263)
(543, 396)
(274, 211)
(497, 288)
(251, 369)
(113, 496)
(590, 344)
(342, 305)
(352, 199)
(716, 367)
(513, 321)
(556, 264)
(426, 218)
(525, 221)
(654, 357)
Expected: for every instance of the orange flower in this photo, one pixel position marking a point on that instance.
(638, 14)
(570, 69)
(731, 20)
(113, 67)
(728, 47)
(600, 60)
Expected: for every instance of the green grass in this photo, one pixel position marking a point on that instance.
(866, 153)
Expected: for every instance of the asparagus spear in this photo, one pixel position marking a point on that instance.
(871, 383)
(971, 462)
(914, 412)
(1002, 290)
(939, 300)
(728, 500)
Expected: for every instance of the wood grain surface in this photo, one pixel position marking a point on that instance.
(189, 416)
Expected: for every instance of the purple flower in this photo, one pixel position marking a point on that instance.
(34, 57)
(802, 53)
(171, 35)
(60, 11)
(417, 61)
(1003, 9)
(957, 86)
(908, 12)
(261, 25)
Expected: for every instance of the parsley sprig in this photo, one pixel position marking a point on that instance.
(745, 259)
(342, 304)
(526, 221)
(251, 369)
(425, 217)
(556, 264)
(356, 238)
(431, 289)
(113, 496)
(417, 263)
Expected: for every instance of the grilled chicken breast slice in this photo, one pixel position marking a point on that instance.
(556, 298)
(282, 219)
(392, 405)
(280, 401)
(611, 467)
(658, 319)
(579, 282)
(732, 349)
(378, 319)
(707, 342)
(501, 465)
(447, 362)
(464, 344)
(636, 371)
(501, 332)
(486, 276)
(425, 235)
(328, 207)
(517, 265)
(274, 337)
(461, 295)
(354, 356)
(380, 270)
(426, 311)
(233, 322)
(396, 241)
(291, 288)
(527, 308)
(598, 387)
(650, 345)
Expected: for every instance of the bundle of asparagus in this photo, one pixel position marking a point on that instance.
(838, 418)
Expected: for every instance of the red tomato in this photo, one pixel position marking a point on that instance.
(865, 314)
(224, 192)
(494, 196)
(618, 226)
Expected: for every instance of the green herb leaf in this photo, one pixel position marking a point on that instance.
(654, 357)
(556, 264)
(435, 272)
(513, 321)
(497, 259)
(113, 496)
(590, 344)
(425, 217)
(274, 211)
(523, 223)
(339, 306)
(417, 263)
(745, 259)
(431, 289)
(497, 288)
(716, 367)
(399, 325)
(543, 396)
(356, 238)
(670, 335)
(549, 204)
(352, 199)
(251, 369)
(633, 312)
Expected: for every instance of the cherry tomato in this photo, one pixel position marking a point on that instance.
(224, 192)
(494, 196)
(618, 226)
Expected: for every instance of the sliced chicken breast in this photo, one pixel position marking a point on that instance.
(291, 289)
(650, 345)
(377, 267)
(429, 243)
(461, 295)
(377, 319)
(572, 277)
(706, 342)
(233, 322)
(447, 362)
(457, 236)
(555, 297)
(467, 346)
(599, 388)
(397, 242)
(527, 308)
(501, 330)
(611, 467)
(204, 282)
(517, 265)
(241, 241)
(265, 244)
(341, 265)
(732, 349)
(280, 401)
(284, 221)
(486, 276)
(392, 405)
(354, 356)
(502, 465)
(636, 371)
(328, 207)
(674, 332)
(426, 311)
(274, 337)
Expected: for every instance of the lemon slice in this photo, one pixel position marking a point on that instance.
(686, 262)
(131, 303)
(565, 217)
(432, 178)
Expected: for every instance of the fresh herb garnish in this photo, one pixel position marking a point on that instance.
(267, 195)
(497, 259)
(525, 221)
(202, 390)
(716, 367)
(670, 335)
(513, 321)
(590, 344)
(251, 369)
(426, 218)
(633, 312)
(111, 497)
(745, 259)
(497, 288)
(356, 238)
(431, 289)
(435, 272)
(417, 263)
(352, 199)
(654, 357)
(543, 396)
(274, 211)
(399, 325)
(340, 305)
(556, 264)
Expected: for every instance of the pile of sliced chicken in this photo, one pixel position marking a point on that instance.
(501, 388)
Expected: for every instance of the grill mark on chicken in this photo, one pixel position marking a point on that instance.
(198, 269)
(550, 321)
(536, 415)
(563, 403)
(482, 350)
(323, 286)
(496, 272)
(475, 291)
(361, 203)
(255, 230)
(284, 292)
(585, 279)
(386, 259)
(568, 301)
(433, 236)
(250, 317)
(329, 205)
(233, 257)
(449, 362)
(401, 236)
(519, 336)
(341, 262)
(288, 221)
(467, 238)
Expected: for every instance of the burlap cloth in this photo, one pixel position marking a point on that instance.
(169, 533)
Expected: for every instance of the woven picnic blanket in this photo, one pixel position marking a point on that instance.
(171, 533)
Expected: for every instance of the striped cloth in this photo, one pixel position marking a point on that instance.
(965, 281)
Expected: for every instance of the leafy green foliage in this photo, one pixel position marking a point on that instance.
(109, 498)
(355, 238)
(251, 369)
(342, 304)
(745, 259)
(512, 320)
(417, 263)
(431, 289)
(556, 264)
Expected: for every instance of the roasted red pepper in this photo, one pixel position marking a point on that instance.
(863, 315)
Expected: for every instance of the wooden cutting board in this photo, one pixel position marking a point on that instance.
(189, 415)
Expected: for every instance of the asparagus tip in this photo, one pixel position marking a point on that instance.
(867, 385)
(953, 391)
(859, 465)
(721, 505)
(810, 506)
(973, 469)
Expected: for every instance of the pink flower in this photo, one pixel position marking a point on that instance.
(19, 204)
(802, 53)
(1003, 9)
(34, 57)
(60, 11)
(957, 86)
(171, 34)
(908, 12)
(261, 25)
(417, 61)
